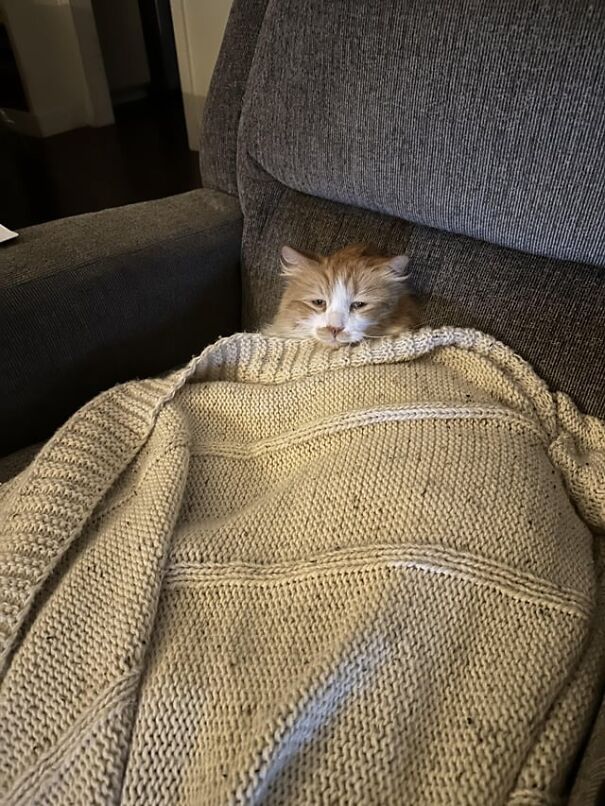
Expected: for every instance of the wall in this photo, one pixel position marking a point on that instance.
(59, 58)
(198, 31)
(122, 44)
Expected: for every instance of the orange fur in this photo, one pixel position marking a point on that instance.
(363, 295)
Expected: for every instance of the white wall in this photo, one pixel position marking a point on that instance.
(198, 31)
(59, 58)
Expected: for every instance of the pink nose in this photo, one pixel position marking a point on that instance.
(335, 330)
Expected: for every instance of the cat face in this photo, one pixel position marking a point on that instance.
(342, 298)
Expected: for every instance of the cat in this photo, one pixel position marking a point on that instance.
(343, 298)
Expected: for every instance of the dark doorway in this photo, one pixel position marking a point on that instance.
(156, 19)
(12, 94)
(144, 155)
(137, 43)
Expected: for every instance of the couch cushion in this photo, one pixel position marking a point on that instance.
(478, 118)
(93, 300)
(222, 107)
(551, 312)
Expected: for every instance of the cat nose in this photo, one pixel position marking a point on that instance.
(335, 330)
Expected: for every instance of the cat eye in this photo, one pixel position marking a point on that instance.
(318, 303)
(355, 306)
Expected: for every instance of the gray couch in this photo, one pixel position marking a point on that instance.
(469, 133)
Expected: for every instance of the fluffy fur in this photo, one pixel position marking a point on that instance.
(343, 298)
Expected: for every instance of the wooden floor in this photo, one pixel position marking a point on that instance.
(143, 156)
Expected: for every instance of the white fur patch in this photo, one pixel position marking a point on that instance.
(337, 313)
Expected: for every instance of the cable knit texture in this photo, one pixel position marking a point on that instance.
(289, 575)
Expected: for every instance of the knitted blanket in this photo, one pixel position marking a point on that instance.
(291, 575)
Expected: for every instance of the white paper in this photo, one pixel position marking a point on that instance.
(6, 234)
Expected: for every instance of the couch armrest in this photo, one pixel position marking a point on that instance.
(93, 300)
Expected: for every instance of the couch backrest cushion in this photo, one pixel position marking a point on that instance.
(221, 113)
(483, 119)
(474, 117)
(552, 312)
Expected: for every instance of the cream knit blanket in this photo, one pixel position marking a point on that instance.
(289, 575)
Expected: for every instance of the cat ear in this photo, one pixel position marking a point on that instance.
(292, 262)
(398, 266)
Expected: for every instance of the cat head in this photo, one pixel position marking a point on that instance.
(341, 298)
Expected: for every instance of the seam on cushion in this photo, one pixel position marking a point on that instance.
(427, 559)
(244, 101)
(110, 700)
(268, 213)
(284, 187)
(126, 253)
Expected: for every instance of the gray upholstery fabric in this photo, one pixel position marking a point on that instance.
(97, 299)
(76, 242)
(220, 118)
(551, 312)
(480, 118)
